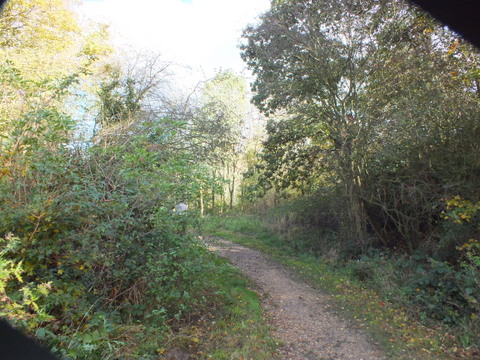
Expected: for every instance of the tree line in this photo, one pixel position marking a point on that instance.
(372, 111)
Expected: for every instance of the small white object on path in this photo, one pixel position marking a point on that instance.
(180, 208)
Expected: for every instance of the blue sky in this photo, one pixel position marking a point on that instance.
(202, 34)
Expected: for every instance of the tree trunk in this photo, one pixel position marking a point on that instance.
(201, 202)
(232, 190)
(222, 201)
(356, 211)
(350, 168)
(213, 192)
(232, 186)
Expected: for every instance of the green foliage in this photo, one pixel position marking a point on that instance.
(44, 39)
(119, 100)
(22, 303)
(91, 246)
(376, 100)
(233, 324)
(289, 156)
(216, 134)
(104, 240)
(414, 307)
(216, 128)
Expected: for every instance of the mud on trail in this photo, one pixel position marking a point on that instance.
(299, 314)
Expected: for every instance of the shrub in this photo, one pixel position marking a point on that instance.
(90, 244)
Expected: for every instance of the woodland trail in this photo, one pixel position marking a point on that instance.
(300, 316)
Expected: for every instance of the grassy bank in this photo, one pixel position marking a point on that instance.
(359, 288)
(230, 326)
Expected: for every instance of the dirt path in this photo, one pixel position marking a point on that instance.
(299, 315)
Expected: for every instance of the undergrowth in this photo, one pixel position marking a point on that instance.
(385, 294)
(230, 326)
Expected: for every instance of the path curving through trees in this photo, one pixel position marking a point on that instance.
(299, 314)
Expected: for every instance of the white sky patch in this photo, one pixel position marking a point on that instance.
(201, 34)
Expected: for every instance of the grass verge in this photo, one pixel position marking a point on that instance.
(395, 328)
(230, 326)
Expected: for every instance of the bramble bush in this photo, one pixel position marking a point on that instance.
(91, 247)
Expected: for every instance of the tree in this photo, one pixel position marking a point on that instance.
(87, 233)
(43, 38)
(370, 93)
(312, 59)
(43, 41)
(427, 150)
(217, 130)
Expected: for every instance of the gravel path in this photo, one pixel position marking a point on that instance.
(299, 314)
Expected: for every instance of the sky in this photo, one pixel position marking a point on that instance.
(200, 34)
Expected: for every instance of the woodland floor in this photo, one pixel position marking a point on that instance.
(302, 317)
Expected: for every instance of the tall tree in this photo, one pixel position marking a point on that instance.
(217, 130)
(312, 59)
(43, 41)
(360, 82)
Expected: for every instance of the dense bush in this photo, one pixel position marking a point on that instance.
(88, 234)
(439, 282)
(386, 117)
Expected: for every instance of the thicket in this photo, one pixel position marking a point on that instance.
(94, 261)
(374, 110)
(89, 239)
